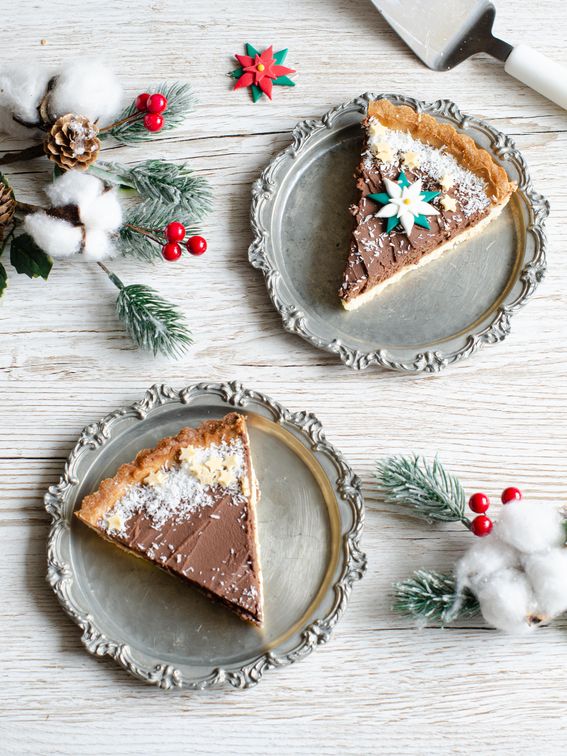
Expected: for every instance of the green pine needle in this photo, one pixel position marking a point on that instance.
(152, 322)
(428, 490)
(177, 186)
(180, 102)
(433, 596)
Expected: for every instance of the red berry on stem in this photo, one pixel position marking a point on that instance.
(153, 121)
(481, 526)
(511, 494)
(196, 245)
(479, 503)
(142, 101)
(175, 231)
(171, 251)
(157, 103)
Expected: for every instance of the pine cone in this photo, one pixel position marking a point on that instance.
(7, 206)
(72, 142)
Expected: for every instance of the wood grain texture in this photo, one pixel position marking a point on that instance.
(381, 685)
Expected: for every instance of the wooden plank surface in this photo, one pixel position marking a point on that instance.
(381, 685)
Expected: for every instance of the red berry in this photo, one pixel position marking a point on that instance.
(511, 494)
(171, 251)
(157, 103)
(153, 121)
(481, 526)
(142, 101)
(196, 245)
(175, 231)
(479, 503)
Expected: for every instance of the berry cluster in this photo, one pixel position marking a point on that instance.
(153, 105)
(175, 233)
(479, 503)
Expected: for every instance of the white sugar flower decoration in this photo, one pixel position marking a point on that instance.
(405, 204)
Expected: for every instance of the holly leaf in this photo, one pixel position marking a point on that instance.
(28, 258)
(3, 279)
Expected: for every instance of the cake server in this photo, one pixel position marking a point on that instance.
(443, 33)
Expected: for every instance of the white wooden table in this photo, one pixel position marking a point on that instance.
(381, 685)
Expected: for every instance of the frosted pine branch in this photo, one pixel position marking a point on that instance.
(176, 186)
(427, 490)
(433, 596)
(152, 322)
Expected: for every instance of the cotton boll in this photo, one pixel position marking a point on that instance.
(22, 88)
(98, 245)
(104, 212)
(506, 601)
(530, 526)
(85, 86)
(55, 236)
(547, 573)
(484, 558)
(74, 188)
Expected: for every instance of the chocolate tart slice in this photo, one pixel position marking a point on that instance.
(424, 187)
(189, 506)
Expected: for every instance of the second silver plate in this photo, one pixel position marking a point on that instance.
(154, 625)
(435, 316)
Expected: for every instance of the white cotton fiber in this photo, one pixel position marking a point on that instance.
(74, 188)
(85, 86)
(104, 212)
(485, 557)
(55, 236)
(506, 601)
(98, 245)
(547, 573)
(530, 526)
(22, 87)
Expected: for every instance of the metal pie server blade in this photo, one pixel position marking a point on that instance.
(443, 33)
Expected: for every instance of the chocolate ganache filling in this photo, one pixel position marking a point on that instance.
(376, 255)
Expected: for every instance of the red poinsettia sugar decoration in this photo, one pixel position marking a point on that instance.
(261, 71)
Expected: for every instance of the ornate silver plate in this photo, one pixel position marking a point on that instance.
(433, 317)
(163, 631)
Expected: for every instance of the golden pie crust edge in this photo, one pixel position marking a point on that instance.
(463, 148)
(232, 426)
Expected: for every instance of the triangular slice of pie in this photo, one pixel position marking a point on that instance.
(189, 506)
(424, 187)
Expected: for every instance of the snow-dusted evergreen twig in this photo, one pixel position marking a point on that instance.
(427, 490)
(433, 596)
(180, 102)
(160, 181)
(152, 322)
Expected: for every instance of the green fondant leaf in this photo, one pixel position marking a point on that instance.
(284, 81)
(382, 198)
(403, 179)
(3, 279)
(251, 51)
(392, 223)
(279, 57)
(237, 73)
(256, 93)
(421, 220)
(428, 196)
(28, 258)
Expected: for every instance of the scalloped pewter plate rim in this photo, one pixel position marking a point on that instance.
(455, 348)
(60, 500)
